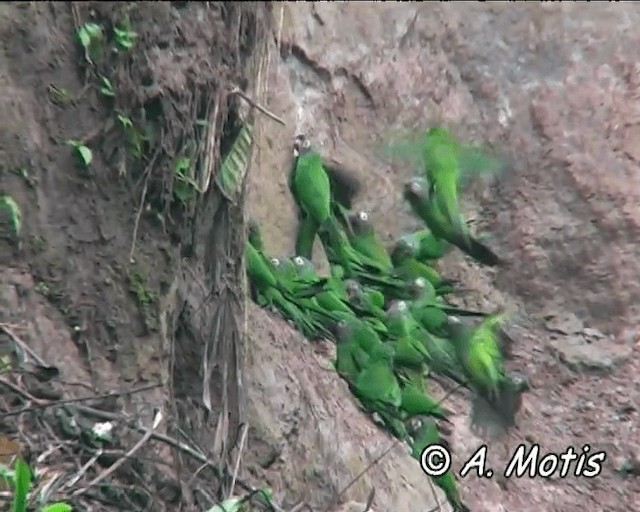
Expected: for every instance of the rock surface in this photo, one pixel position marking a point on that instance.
(555, 88)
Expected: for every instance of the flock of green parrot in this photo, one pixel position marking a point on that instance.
(386, 308)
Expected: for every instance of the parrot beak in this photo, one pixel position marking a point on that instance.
(296, 152)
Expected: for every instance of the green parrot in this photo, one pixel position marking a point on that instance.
(481, 353)
(369, 302)
(428, 435)
(417, 193)
(362, 333)
(440, 155)
(364, 240)
(407, 267)
(430, 312)
(267, 290)
(378, 389)
(351, 358)
(311, 189)
(344, 185)
(399, 320)
(259, 270)
(415, 402)
(406, 333)
(377, 383)
(489, 421)
(425, 245)
(284, 269)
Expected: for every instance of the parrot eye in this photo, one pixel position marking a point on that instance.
(275, 262)
(298, 261)
(420, 282)
(306, 143)
(342, 323)
(363, 216)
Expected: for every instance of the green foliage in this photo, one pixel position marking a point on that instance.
(235, 164)
(82, 152)
(9, 205)
(19, 479)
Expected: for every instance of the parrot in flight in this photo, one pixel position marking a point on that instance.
(417, 193)
(481, 352)
(440, 154)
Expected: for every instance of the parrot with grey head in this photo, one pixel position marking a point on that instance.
(312, 191)
(323, 193)
(418, 193)
(407, 267)
(364, 240)
(424, 245)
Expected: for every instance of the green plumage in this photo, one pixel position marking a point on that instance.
(417, 193)
(385, 309)
(428, 435)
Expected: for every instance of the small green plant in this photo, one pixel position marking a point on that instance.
(184, 188)
(83, 152)
(236, 504)
(91, 36)
(137, 286)
(43, 289)
(134, 135)
(19, 479)
(124, 36)
(8, 204)
(24, 174)
(59, 95)
(106, 89)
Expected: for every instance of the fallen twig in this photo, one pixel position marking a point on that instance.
(82, 470)
(55, 403)
(7, 330)
(253, 103)
(236, 469)
(361, 474)
(156, 421)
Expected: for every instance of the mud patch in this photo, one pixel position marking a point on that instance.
(147, 93)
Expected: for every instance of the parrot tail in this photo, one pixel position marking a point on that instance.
(483, 254)
(478, 251)
(452, 310)
(494, 415)
(307, 230)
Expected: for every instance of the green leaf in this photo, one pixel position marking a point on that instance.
(230, 505)
(84, 37)
(57, 507)
(106, 88)
(8, 204)
(235, 164)
(22, 482)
